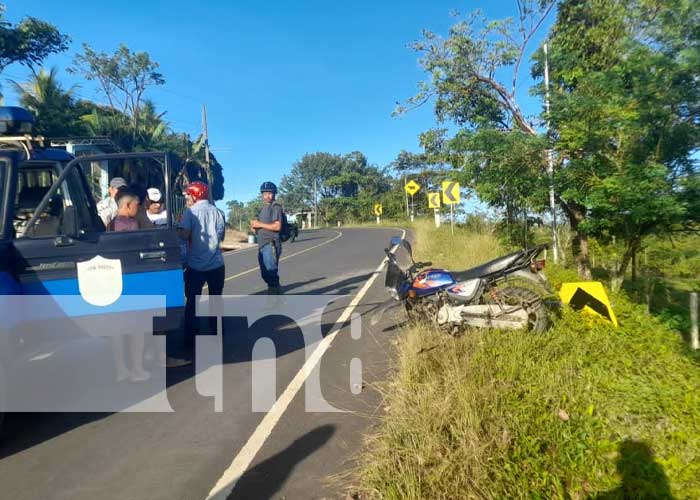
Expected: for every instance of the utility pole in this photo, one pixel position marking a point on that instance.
(205, 139)
(408, 211)
(550, 162)
(315, 205)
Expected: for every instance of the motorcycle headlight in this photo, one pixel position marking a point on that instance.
(394, 293)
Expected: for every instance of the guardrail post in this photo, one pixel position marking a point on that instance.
(694, 341)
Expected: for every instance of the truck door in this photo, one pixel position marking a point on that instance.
(63, 231)
(8, 283)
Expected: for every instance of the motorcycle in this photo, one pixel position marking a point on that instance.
(508, 292)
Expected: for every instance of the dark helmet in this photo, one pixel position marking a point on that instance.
(268, 187)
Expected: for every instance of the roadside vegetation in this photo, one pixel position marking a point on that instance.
(583, 411)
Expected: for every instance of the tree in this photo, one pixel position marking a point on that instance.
(29, 42)
(236, 214)
(310, 172)
(123, 77)
(54, 108)
(473, 79)
(240, 213)
(427, 170)
(624, 114)
(345, 185)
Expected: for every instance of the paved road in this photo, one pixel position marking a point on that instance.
(290, 453)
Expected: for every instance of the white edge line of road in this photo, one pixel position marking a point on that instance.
(227, 482)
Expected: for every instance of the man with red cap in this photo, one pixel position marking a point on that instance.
(202, 226)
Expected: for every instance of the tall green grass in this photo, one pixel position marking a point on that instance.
(582, 411)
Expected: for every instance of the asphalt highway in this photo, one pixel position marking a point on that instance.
(297, 448)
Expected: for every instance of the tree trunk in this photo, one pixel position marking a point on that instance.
(619, 278)
(579, 243)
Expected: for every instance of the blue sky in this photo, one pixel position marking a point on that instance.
(279, 79)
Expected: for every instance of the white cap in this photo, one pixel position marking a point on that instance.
(154, 195)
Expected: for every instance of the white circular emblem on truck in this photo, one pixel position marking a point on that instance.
(100, 280)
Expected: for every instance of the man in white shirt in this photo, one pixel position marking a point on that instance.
(156, 208)
(107, 208)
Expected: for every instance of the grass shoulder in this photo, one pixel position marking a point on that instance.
(582, 411)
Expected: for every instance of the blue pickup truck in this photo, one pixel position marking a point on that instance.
(49, 227)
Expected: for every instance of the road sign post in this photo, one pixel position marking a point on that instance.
(411, 188)
(378, 212)
(434, 203)
(450, 196)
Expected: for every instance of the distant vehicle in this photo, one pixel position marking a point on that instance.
(49, 226)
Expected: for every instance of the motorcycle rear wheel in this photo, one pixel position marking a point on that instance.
(531, 301)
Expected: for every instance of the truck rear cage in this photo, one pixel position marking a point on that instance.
(26, 142)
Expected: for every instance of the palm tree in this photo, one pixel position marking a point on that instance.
(152, 129)
(53, 107)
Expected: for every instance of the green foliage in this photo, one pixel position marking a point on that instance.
(240, 213)
(347, 186)
(505, 167)
(54, 109)
(625, 112)
(625, 115)
(29, 42)
(582, 411)
(462, 68)
(123, 77)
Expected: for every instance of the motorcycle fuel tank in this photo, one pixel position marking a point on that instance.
(431, 280)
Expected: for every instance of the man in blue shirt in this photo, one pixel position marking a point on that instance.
(202, 226)
(268, 226)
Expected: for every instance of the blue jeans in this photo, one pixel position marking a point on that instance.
(268, 258)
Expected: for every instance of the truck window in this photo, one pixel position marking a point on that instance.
(33, 182)
(145, 176)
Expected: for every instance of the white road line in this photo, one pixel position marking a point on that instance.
(288, 256)
(224, 486)
(255, 269)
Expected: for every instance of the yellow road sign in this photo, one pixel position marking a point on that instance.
(378, 209)
(588, 296)
(450, 192)
(412, 187)
(434, 200)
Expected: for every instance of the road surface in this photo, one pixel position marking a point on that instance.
(196, 452)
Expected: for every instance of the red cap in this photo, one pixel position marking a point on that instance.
(198, 191)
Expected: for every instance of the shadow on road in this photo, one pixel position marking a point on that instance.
(266, 478)
(26, 430)
(343, 287)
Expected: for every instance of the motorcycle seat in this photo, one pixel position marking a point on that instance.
(488, 268)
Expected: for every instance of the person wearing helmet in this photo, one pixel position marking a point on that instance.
(268, 226)
(202, 226)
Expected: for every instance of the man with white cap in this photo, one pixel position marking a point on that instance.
(107, 208)
(155, 208)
